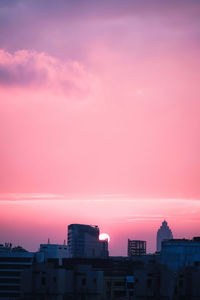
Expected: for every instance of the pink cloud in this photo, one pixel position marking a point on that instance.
(31, 69)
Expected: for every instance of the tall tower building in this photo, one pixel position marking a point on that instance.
(163, 233)
(83, 241)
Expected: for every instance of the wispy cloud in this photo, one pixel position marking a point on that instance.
(106, 198)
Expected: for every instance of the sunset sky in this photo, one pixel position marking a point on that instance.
(99, 119)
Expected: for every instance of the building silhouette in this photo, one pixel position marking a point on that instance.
(83, 241)
(136, 247)
(54, 251)
(163, 233)
(12, 263)
(178, 253)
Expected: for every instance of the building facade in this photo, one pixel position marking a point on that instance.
(163, 233)
(127, 278)
(136, 247)
(83, 241)
(179, 253)
(54, 251)
(12, 263)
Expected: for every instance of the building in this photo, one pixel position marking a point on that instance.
(127, 278)
(12, 263)
(54, 251)
(179, 253)
(136, 247)
(83, 241)
(71, 281)
(118, 286)
(163, 233)
(92, 279)
(48, 281)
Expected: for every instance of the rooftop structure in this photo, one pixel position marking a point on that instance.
(136, 247)
(54, 251)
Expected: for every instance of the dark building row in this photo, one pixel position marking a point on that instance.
(141, 278)
(172, 274)
(83, 270)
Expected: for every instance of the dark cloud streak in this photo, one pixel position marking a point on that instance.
(38, 24)
(20, 76)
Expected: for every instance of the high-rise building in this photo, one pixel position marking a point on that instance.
(83, 241)
(136, 247)
(163, 233)
(179, 253)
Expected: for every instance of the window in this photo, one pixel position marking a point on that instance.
(9, 280)
(180, 283)
(15, 259)
(10, 287)
(130, 285)
(8, 294)
(108, 284)
(9, 273)
(108, 294)
(119, 293)
(119, 283)
(15, 266)
(149, 283)
(83, 281)
(43, 280)
(197, 263)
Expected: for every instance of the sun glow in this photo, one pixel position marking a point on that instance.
(104, 237)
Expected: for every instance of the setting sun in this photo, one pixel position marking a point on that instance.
(104, 236)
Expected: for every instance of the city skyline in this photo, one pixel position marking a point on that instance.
(40, 222)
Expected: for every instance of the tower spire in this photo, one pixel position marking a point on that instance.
(163, 233)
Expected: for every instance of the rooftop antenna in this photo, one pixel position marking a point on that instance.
(48, 241)
(65, 242)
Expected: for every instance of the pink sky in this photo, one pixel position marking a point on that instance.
(30, 219)
(99, 98)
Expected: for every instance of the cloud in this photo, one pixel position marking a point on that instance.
(39, 70)
(20, 69)
(67, 27)
(103, 8)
